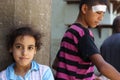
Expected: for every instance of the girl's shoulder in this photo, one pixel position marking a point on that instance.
(2, 72)
(3, 75)
(42, 70)
(43, 67)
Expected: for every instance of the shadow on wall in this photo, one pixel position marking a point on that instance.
(19, 12)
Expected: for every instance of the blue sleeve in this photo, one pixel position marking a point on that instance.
(48, 75)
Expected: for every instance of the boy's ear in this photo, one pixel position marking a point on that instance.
(84, 8)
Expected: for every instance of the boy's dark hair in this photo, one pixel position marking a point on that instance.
(22, 31)
(90, 3)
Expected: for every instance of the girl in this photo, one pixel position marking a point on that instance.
(23, 44)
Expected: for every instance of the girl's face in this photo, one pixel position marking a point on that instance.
(23, 50)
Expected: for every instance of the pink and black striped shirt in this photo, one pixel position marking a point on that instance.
(76, 47)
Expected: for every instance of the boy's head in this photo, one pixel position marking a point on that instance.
(91, 3)
(91, 12)
(116, 25)
(23, 31)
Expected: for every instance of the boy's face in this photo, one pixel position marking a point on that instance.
(94, 15)
(24, 50)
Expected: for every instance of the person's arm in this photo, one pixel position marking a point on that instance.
(105, 68)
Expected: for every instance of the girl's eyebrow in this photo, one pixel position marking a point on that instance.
(18, 44)
(32, 45)
(22, 44)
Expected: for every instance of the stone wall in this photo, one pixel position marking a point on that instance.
(20, 12)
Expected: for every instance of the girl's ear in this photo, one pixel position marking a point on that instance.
(35, 50)
(84, 9)
(10, 50)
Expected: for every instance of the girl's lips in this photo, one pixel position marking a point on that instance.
(22, 58)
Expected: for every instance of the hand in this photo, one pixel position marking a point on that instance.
(97, 78)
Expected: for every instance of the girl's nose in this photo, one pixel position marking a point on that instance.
(23, 52)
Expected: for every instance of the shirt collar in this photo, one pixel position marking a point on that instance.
(10, 70)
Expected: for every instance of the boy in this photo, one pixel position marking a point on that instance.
(78, 53)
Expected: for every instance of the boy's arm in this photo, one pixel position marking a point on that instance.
(104, 67)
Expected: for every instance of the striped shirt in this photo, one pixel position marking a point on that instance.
(37, 72)
(76, 47)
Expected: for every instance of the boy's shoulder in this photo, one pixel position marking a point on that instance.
(78, 29)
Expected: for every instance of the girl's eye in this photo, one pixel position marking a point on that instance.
(18, 47)
(30, 48)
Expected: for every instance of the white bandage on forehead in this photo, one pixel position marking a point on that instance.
(99, 8)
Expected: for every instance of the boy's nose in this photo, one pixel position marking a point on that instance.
(101, 16)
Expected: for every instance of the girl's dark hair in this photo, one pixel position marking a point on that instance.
(90, 3)
(22, 31)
